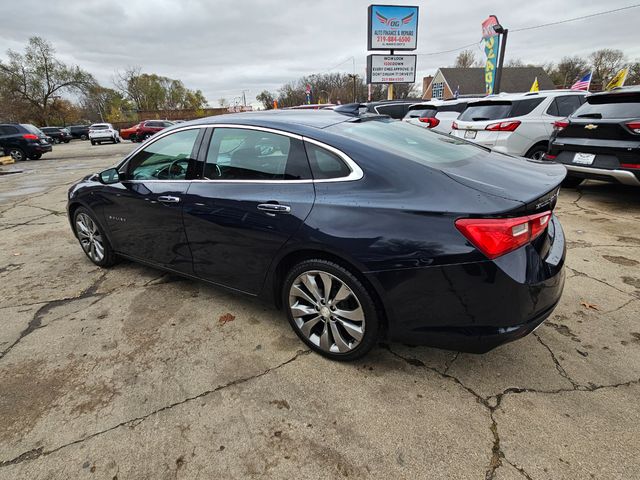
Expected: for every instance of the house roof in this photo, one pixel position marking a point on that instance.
(514, 79)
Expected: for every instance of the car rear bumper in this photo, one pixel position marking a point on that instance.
(477, 306)
(38, 149)
(625, 177)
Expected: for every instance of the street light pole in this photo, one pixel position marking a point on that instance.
(503, 46)
(354, 76)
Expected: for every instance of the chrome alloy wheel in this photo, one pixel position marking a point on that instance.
(326, 311)
(90, 237)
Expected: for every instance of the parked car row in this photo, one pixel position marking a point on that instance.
(143, 130)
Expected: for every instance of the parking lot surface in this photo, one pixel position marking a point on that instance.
(132, 373)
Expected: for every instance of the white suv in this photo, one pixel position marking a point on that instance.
(103, 132)
(444, 111)
(518, 123)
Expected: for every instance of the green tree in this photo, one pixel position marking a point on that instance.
(155, 92)
(37, 77)
(266, 99)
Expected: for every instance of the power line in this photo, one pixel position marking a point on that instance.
(576, 18)
(538, 26)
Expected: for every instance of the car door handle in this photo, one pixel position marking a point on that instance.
(168, 199)
(273, 208)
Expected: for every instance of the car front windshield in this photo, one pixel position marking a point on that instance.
(410, 141)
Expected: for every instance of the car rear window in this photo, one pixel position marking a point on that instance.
(421, 112)
(31, 129)
(99, 127)
(498, 109)
(610, 106)
(409, 141)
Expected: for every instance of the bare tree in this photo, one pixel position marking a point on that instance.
(568, 70)
(606, 63)
(465, 59)
(223, 102)
(633, 77)
(37, 77)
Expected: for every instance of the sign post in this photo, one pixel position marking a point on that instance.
(391, 27)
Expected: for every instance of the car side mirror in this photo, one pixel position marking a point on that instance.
(109, 176)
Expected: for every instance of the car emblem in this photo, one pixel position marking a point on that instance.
(590, 126)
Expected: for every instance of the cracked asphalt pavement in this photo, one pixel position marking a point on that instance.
(132, 373)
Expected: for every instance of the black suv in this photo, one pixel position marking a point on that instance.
(58, 134)
(22, 141)
(601, 139)
(79, 131)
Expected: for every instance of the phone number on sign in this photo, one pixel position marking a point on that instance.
(393, 39)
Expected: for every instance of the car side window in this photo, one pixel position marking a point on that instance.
(247, 154)
(553, 109)
(524, 107)
(325, 164)
(168, 158)
(567, 104)
(8, 130)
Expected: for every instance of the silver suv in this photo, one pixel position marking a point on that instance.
(517, 123)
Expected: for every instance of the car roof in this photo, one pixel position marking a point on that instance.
(525, 95)
(436, 102)
(293, 120)
(619, 90)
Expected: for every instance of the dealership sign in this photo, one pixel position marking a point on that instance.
(391, 69)
(392, 27)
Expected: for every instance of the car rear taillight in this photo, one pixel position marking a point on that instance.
(509, 126)
(633, 166)
(634, 127)
(30, 136)
(560, 125)
(549, 157)
(430, 121)
(454, 126)
(496, 236)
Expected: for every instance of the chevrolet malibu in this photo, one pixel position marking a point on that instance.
(358, 226)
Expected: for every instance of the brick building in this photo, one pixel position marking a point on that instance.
(470, 81)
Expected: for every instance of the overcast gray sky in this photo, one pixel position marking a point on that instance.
(225, 46)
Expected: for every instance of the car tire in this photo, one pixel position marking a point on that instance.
(133, 138)
(36, 156)
(571, 181)
(92, 142)
(17, 154)
(83, 137)
(92, 239)
(343, 336)
(537, 152)
(67, 141)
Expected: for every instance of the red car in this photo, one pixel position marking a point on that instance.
(143, 130)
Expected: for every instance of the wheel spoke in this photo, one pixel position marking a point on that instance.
(86, 244)
(310, 282)
(357, 314)
(296, 291)
(356, 331)
(309, 324)
(81, 225)
(342, 293)
(300, 310)
(326, 284)
(342, 345)
(325, 341)
(99, 248)
(92, 251)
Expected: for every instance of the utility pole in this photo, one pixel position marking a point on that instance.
(354, 77)
(244, 97)
(390, 87)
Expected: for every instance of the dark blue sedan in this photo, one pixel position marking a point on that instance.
(359, 226)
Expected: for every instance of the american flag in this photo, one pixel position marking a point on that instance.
(583, 83)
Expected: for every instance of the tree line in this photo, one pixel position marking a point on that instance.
(332, 88)
(604, 64)
(36, 87)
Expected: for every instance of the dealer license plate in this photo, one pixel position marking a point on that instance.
(470, 134)
(584, 158)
